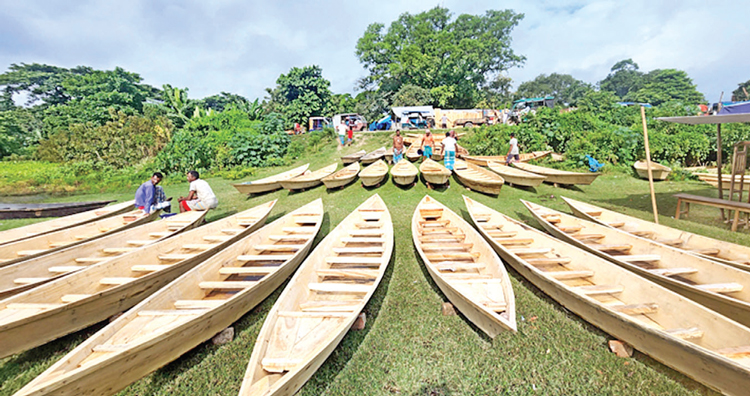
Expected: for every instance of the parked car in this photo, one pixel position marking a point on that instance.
(524, 106)
(318, 123)
(417, 120)
(356, 121)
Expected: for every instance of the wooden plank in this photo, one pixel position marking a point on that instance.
(451, 266)
(33, 306)
(588, 237)
(247, 270)
(175, 257)
(549, 260)
(287, 238)
(116, 281)
(140, 242)
(365, 233)
(515, 241)
(692, 333)
(442, 238)
(294, 230)
(314, 314)
(720, 287)
(158, 234)
(149, 267)
(438, 230)
(330, 305)
(91, 259)
(226, 285)
(614, 247)
(278, 248)
(24, 253)
(355, 260)
(431, 247)
(570, 229)
(339, 288)
(491, 226)
(171, 312)
(27, 281)
(636, 309)
(349, 273)
(65, 268)
(735, 352)
(264, 257)
(118, 250)
(594, 213)
(71, 298)
(216, 238)
(672, 271)
(646, 258)
(369, 225)
(707, 252)
(358, 250)
(564, 275)
(452, 256)
(643, 233)
(232, 230)
(279, 365)
(197, 304)
(599, 289)
(526, 252)
(428, 223)
(363, 240)
(370, 216)
(502, 234)
(615, 224)
(198, 246)
(671, 242)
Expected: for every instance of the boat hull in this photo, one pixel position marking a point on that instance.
(515, 176)
(658, 171)
(270, 183)
(404, 175)
(559, 177)
(478, 179)
(32, 211)
(334, 181)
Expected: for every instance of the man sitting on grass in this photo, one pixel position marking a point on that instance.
(200, 197)
(149, 197)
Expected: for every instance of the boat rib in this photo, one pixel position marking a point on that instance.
(478, 179)
(31, 273)
(308, 179)
(321, 302)
(91, 295)
(557, 176)
(30, 248)
(710, 248)
(678, 332)
(354, 157)
(404, 173)
(515, 176)
(45, 227)
(464, 267)
(185, 313)
(269, 183)
(720, 287)
(342, 177)
(373, 175)
(434, 172)
(373, 156)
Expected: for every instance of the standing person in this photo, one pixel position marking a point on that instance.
(444, 121)
(341, 129)
(398, 147)
(200, 196)
(149, 197)
(512, 150)
(449, 150)
(350, 133)
(428, 142)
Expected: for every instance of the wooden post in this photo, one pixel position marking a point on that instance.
(718, 156)
(648, 166)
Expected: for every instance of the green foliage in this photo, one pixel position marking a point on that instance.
(664, 85)
(742, 92)
(300, 94)
(123, 141)
(430, 50)
(623, 78)
(597, 102)
(341, 104)
(564, 87)
(372, 104)
(178, 107)
(20, 130)
(412, 95)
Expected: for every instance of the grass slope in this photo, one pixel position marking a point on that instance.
(408, 347)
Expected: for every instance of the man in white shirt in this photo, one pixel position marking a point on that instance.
(512, 150)
(341, 129)
(200, 197)
(449, 150)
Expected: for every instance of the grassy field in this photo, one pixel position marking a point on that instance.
(408, 347)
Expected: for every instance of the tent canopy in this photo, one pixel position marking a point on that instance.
(714, 119)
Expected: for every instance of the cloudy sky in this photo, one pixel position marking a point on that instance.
(242, 46)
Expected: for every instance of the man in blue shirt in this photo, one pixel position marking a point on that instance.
(145, 196)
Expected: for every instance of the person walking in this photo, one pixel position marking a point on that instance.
(341, 129)
(512, 150)
(200, 195)
(444, 121)
(398, 147)
(449, 150)
(350, 133)
(428, 143)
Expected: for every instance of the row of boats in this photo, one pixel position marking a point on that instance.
(678, 297)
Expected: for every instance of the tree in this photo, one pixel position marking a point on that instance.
(372, 104)
(564, 87)
(300, 94)
(179, 107)
(431, 51)
(624, 77)
(340, 103)
(742, 92)
(664, 85)
(223, 100)
(412, 95)
(497, 93)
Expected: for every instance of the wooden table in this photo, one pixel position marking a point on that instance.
(687, 199)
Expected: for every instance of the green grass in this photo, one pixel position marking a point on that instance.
(408, 347)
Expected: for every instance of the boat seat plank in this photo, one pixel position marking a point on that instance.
(594, 213)
(57, 244)
(588, 237)
(599, 289)
(491, 226)
(330, 305)
(446, 246)
(692, 333)
(313, 314)
(287, 238)
(427, 223)
(158, 234)
(227, 285)
(82, 237)
(451, 266)
(339, 288)
(502, 234)
(149, 267)
(279, 365)
(171, 312)
(216, 238)
(707, 252)
(365, 233)
(360, 250)
(526, 252)
(175, 257)
(370, 210)
(118, 250)
(293, 230)
(232, 230)
(66, 268)
(643, 233)
(278, 248)
(442, 238)
(91, 259)
(349, 273)
(637, 309)
(24, 253)
(28, 281)
(70, 298)
(447, 256)
(370, 216)
(369, 225)
(116, 280)
(721, 287)
(247, 270)
(198, 246)
(614, 247)
(355, 260)
(564, 275)
(197, 304)
(363, 240)
(264, 257)
(672, 271)
(570, 229)
(516, 241)
(646, 258)
(615, 224)
(671, 242)
(143, 242)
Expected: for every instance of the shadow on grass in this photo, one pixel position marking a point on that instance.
(376, 186)
(435, 187)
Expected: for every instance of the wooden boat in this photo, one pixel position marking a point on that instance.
(678, 332)
(16, 252)
(557, 176)
(412, 153)
(464, 267)
(373, 156)
(354, 157)
(404, 173)
(483, 160)
(342, 177)
(186, 312)
(720, 287)
(434, 172)
(515, 176)
(30, 211)
(308, 179)
(321, 302)
(31, 273)
(45, 227)
(269, 183)
(81, 299)
(478, 179)
(437, 153)
(389, 155)
(658, 171)
(710, 248)
(725, 186)
(374, 174)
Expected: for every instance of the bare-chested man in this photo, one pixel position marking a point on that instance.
(398, 147)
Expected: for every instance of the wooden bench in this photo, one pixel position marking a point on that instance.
(687, 199)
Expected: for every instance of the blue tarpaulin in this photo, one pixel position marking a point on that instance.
(737, 108)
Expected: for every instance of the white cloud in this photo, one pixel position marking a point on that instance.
(243, 46)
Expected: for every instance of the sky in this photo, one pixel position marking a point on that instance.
(243, 46)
